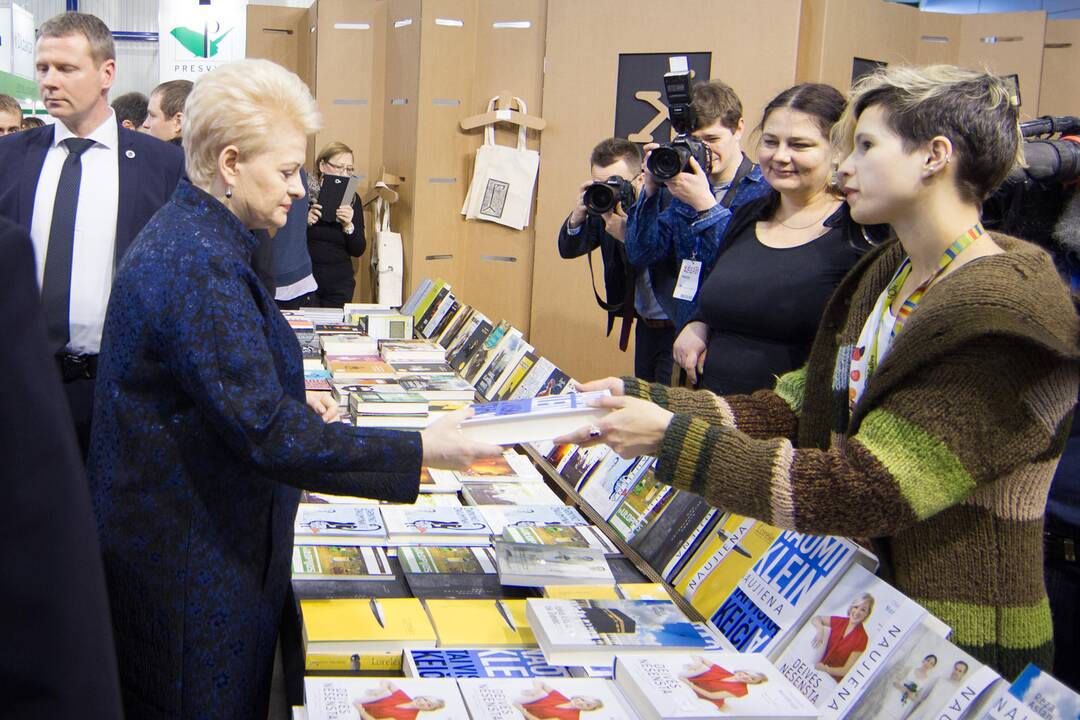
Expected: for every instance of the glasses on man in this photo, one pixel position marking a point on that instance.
(339, 169)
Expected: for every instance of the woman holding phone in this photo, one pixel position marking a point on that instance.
(335, 239)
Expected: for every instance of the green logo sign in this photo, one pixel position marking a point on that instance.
(198, 43)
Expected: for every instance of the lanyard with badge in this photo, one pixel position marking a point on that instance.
(913, 300)
(690, 271)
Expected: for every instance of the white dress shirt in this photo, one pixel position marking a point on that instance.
(95, 228)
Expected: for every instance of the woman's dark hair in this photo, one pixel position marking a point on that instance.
(822, 102)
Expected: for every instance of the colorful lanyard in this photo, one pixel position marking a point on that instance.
(913, 300)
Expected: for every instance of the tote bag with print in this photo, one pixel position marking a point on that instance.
(503, 179)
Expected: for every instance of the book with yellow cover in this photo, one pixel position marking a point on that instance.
(347, 627)
(731, 549)
(480, 623)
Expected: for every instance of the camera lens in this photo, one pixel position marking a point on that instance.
(598, 198)
(665, 162)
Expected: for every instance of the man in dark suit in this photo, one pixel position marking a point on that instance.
(58, 658)
(629, 294)
(64, 183)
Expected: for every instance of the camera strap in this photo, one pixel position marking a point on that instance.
(745, 167)
(604, 305)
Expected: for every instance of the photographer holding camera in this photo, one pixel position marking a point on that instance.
(599, 221)
(690, 188)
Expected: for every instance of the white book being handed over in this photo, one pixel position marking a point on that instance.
(708, 685)
(541, 418)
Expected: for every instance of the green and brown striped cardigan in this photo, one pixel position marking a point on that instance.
(945, 461)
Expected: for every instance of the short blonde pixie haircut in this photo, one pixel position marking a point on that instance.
(242, 103)
(973, 109)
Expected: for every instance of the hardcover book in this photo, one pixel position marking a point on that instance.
(612, 479)
(517, 374)
(512, 348)
(451, 572)
(639, 505)
(591, 632)
(384, 402)
(484, 352)
(480, 623)
(422, 318)
(726, 555)
(454, 326)
(528, 565)
(478, 663)
(431, 369)
(836, 655)
(542, 418)
(340, 562)
(582, 536)
(437, 387)
(509, 467)
(500, 517)
(418, 294)
(509, 493)
(1034, 696)
(422, 351)
(341, 389)
(775, 598)
(708, 685)
(364, 627)
(318, 524)
(544, 379)
(338, 698)
(927, 678)
(556, 698)
(412, 525)
(472, 334)
(437, 323)
(576, 465)
(679, 521)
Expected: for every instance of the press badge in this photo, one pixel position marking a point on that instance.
(689, 276)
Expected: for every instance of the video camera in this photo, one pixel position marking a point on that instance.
(602, 197)
(1030, 204)
(670, 159)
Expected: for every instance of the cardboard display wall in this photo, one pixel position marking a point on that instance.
(1059, 93)
(393, 79)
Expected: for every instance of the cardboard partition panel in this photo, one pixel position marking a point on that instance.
(1059, 92)
(938, 42)
(844, 38)
(1007, 44)
(350, 81)
(753, 48)
(273, 33)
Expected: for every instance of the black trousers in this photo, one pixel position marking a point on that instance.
(1063, 588)
(80, 397)
(652, 352)
(306, 300)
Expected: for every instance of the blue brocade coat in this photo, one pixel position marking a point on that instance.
(200, 443)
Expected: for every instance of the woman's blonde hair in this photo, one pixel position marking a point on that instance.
(973, 109)
(241, 104)
(332, 148)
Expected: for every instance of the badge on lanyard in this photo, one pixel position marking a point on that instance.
(689, 276)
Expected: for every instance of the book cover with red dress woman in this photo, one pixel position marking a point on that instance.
(708, 685)
(354, 698)
(543, 699)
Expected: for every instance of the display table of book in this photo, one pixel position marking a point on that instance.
(570, 583)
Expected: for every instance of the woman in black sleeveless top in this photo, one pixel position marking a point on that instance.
(781, 258)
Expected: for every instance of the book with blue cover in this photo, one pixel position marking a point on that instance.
(480, 663)
(542, 418)
(1035, 695)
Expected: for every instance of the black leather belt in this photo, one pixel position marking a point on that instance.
(656, 324)
(77, 367)
(1060, 548)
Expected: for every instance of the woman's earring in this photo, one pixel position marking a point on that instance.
(228, 193)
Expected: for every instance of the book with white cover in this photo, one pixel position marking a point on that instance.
(435, 525)
(592, 632)
(528, 565)
(543, 418)
(612, 479)
(500, 517)
(1035, 695)
(543, 699)
(509, 493)
(348, 698)
(859, 624)
(504, 662)
(927, 678)
(708, 685)
(774, 599)
(319, 524)
(572, 535)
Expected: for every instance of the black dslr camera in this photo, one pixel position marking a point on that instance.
(602, 197)
(670, 159)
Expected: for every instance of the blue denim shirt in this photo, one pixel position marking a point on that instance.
(662, 228)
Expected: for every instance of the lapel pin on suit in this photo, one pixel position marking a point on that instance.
(130, 154)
